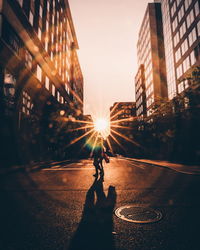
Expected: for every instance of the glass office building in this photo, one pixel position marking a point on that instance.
(150, 80)
(181, 26)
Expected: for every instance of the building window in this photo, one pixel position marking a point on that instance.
(184, 46)
(173, 9)
(182, 29)
(192, 36)
(176, 39)
(39, 33)
(48, 6)
(20, 2)
(198, 28)
(58, 96)
(178, 55)
(180, 87)
(186, 64)
(46, 44)
(31, 18)
(62, 100)
(53, 19)
(187, 4)
(179, 71)
(47, 25)
(27, 105)
(12, 38)
(174, 24)
(190, 18)
(40, 11)
(28, 59)
(47, 82)
(197, 51)
(180, 14)
(9, 84)
(192, 58)
(52, 38)
(196, 8)
(39, 73)
(53, 90)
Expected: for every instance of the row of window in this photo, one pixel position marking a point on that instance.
(55, 34)
(149, 112)
(144, 51)
(168, 49)
(187, 63)
(194, 12)
(182, 86)
(139, 111)
(180, 33)
(139, 101)
(57, 41)
(52, 89)
(148, 80)
(192, 37)
(187, 4)
(150, 101)
(148, 70)
(150, 90)
(27, 104)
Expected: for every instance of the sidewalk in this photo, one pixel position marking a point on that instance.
(186, 169)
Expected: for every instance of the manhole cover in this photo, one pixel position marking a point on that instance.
(138, 214)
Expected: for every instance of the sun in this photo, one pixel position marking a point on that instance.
(101, 125)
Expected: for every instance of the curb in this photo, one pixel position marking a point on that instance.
(185, 169)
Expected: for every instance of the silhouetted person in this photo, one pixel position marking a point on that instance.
(96, 226)
(98, 159)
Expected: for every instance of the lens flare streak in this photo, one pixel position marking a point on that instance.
(125, 137)
(80, 137)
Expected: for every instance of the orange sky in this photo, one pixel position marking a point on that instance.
(107, 32)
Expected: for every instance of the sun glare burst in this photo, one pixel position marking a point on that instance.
(101, 124)
(105, 129)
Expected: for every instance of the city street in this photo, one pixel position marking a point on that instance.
(61, 207)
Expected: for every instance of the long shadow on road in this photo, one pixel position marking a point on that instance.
(96, 226)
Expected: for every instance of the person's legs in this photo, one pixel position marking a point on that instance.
(101, 166)
(96, 165)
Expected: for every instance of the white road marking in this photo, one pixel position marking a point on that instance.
(131, 163)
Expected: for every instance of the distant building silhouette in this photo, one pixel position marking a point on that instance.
(122, 111)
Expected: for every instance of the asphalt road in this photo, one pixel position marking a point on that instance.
(63, 207)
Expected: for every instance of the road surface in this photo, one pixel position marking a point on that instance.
(63, 207)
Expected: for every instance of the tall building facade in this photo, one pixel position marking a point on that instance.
(39, 68)
(181, 26)
(140, 90)
(150, 80)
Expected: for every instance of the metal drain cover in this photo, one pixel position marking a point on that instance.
(138, 214)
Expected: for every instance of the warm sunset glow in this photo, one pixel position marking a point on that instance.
(107, 79)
